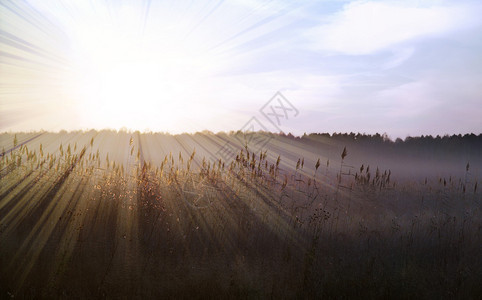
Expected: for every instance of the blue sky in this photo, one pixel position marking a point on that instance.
(400, 67)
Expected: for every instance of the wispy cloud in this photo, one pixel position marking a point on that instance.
(399, 57)
(365, 27)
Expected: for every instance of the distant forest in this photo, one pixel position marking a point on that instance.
(420, 146)
(425, 145)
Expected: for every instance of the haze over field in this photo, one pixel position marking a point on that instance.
(411, 160)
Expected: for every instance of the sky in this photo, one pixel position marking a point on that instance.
(396, 67)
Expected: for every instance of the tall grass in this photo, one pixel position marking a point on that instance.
(76, 222)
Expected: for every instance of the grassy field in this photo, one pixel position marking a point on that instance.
(128, 215)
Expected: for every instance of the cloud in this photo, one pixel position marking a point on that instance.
(365, 27)
(399, 57)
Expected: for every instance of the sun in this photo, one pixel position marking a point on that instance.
(135, 79)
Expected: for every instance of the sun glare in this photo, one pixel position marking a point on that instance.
(138, 79)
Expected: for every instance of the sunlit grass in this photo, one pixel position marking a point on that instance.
(110, 214)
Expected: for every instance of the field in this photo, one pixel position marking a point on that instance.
(106, 214)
